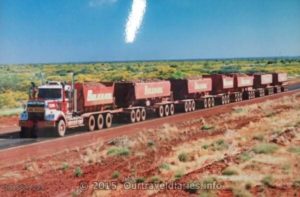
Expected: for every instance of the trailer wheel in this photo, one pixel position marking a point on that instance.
(91, 123)
(132, 116)
(167, 110)
(25, 132)
(205, 103)
(172, 109)
(108, 120)
(212, 102)
(138, 115)
(143, 114)
(61, 128)
(161, 111)
(193, 105)
(186, 106)
(100, 121)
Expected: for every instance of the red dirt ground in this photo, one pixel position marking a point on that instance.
(46, 177)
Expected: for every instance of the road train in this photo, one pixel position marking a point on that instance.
(96, 105)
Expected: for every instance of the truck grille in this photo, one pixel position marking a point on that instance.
(36, 116)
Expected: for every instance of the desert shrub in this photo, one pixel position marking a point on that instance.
(115, 175)
(118, 151)
(165, 166)
(265, 148)
(245, 156)
(183, 157)
(219, 145)
(155, 179)
(178, 174)
(140, 180)
(65, 166)
(78, 172)
(267, 180)
(207, 127)
(150, 143)
(294, 149)
(229, 172)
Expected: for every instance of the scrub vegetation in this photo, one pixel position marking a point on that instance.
(15, 79)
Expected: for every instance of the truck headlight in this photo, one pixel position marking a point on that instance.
(24, 116)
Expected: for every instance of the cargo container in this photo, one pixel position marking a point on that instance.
(280, 82)
(141, 96)
(192, 93)
(222, 87)
(243, 85)
(263, 84)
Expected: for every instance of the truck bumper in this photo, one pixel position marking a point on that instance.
(39, 124)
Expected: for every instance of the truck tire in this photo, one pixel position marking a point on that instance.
(213, 103)
(138, 115)
(186, 106)
(143, 114)
(91, 123)
(205, 103)
(25, 132)
(172, 109)
(167, 110)
(61, 128)
(160, 111)
(108, 120)
(132, 116)
(100, 121)
(193, 105)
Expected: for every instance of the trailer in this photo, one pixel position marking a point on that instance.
(222, 88)
(280, 82)
(243, 85)
(192, 93)
(263, 84)
(138, 98)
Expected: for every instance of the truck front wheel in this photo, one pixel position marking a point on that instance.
(61, 128)
(25, 132)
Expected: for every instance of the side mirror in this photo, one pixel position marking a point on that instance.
(24, 106)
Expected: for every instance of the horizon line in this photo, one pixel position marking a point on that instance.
(155, 60)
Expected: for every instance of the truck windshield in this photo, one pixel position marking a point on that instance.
(45, 93)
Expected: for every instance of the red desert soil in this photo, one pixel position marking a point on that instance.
(8, 121)
(181, 152)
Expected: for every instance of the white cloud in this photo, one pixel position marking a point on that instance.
(135, 19)
(94, 3)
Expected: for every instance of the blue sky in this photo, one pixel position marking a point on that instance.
(41, 31)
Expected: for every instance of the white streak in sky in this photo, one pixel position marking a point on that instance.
(135, 19)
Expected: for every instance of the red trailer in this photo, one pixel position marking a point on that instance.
(192, 92)
(263, 84)
(280, 82)
(222, 87)
(243, 84)
(137, 97)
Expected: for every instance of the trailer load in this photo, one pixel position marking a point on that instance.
(262, 84)
(280, 82)
(94, 96)
(193, 92)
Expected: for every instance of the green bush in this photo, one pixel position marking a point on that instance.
(78, 172)
(115, 174)
(118, 151)
(183, 157)
(265, 148)
(229, 172)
